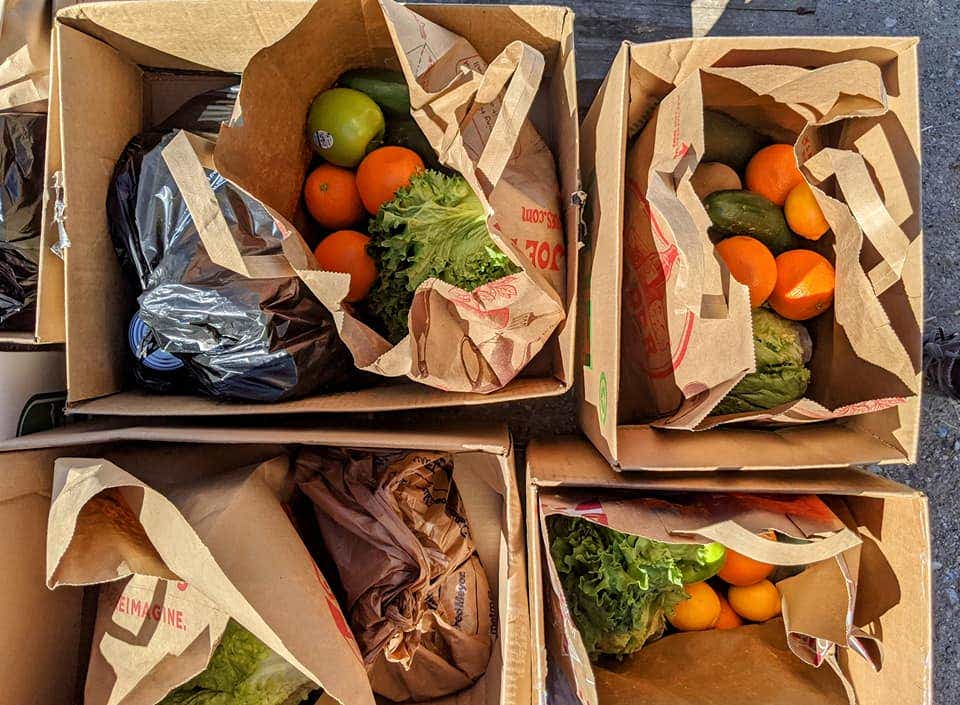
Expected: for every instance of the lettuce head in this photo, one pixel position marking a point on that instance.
(620, 587)
(434, 227)
(243, 671)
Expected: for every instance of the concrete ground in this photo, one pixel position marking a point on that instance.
(602, 24)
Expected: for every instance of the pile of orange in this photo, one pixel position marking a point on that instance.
(339, 199)
(799, 284)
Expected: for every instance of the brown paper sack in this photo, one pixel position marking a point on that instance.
(25, 53)
(177, 566)
(686, 327)
(474, 116)
(817, 604)
(417, 596)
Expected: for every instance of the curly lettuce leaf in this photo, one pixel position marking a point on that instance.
(435, 227)
(619, 587)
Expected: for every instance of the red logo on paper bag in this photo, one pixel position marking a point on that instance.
(867, 407)
(337, 613)
(153, 611)
(591, 511)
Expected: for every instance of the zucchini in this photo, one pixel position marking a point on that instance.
(388, 89)
(748, 213)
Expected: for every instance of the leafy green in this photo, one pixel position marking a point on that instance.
(781, 348)
(619, 587)
(435, 227)
(243, 671)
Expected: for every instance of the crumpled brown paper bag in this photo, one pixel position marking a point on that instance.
(686, 327)
(418, 598)
(175, 567)
(817, 604)
(474, 115)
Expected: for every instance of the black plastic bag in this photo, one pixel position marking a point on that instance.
(22, 140)
(239, 338)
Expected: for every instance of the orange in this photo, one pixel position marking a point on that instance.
(757, 603)
(803, 213)
(773, 172)
(332, 197)
(738, 569)
(701, 611)
(382, 172)
(728, 618)
(751, 263)
(805, 283)
(346, 251)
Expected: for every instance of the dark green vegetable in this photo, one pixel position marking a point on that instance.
(435, 227)
(728, 141)
(748, 213)
(388, 89)
(619, 587)
(406, 133)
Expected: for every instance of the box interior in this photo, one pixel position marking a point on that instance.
(50, 664)
(132, 63)
(893, 598)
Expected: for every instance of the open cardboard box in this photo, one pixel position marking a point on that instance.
(894, 591)
(46, 633)
(125, 63)
(641, 75)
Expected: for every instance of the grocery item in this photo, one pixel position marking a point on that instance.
(805, 285)
(751, 214)
(729, 141)
(728, 619)
(383, 172)
(343, 125)
(699, 611)
(803, 213)
(782, 348)
(714, 176)
(773, 172)
(405, 132)
(331, 196)
(435, 227)
(386, 88)
(243, 671)
(346, 251)
(750, 263)
(418, 599)
(757, 603)
(742, 570)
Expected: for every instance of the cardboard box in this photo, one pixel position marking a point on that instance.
(642, 75)
(32, 389)
(894, 591)
(44, 660)
(101, 51)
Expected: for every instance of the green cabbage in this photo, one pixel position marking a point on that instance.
(782, 348)
(619, 587)
(243, 671)
(435, 227)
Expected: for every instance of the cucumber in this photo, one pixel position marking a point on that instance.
(406, 133)
(748, 213)
(388, 89)
(728, 141)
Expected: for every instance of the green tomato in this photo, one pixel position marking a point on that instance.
(343, 125)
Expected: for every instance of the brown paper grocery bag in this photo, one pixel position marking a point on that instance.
(686, 325)
(25, 53)
(474, 115)
(177, 566)
(817, 604)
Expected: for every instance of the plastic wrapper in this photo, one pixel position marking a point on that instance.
(255, 339)
(418, 599)
(22, 141)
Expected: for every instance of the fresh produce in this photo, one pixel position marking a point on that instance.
(346, 251)
(740, 570)
(404, 132)
(386, 88)
(803, 213)
(805, 284)
(699, 611)
(243, 671)
(728, 619)
(343, 125)
(332, 198)
(729, 141)
(751, 264)
(746, 213)
(382, 172)
(782, 348)
(773, 172)
(435, 227)
(756, 603)
(714, 176)
(619, 587)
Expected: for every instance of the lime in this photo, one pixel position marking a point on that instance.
(343, 125)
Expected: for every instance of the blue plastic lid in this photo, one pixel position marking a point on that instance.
(159, 360)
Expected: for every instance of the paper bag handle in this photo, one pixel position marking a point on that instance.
(742, 540)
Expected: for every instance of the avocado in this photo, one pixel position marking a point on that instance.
(728, 141)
